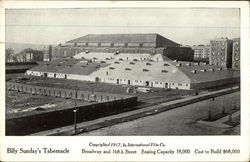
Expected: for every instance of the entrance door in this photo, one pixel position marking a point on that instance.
(128, 82)
(152, 84)
(166, 85)
(65, 76)
(45, 75)
(147, 83)
(117, 81)
(97, 79)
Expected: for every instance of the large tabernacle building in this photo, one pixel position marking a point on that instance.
(148, 60)
(151, 43)
(135, 70)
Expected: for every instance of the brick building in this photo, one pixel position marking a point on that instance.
(151, 43)
(236, 54)
(221, 52)
(202, 52)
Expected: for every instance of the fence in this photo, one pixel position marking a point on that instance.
(65, 93)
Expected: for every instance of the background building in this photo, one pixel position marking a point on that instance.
(151, 43)
(202, 52)
(221, 52)
(236, 54)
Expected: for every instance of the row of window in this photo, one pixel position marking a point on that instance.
(155, 82)
(88, 44)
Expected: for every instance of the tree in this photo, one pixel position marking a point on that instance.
(34, 55)
(9, 52)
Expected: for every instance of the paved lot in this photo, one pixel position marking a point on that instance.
(179, 121)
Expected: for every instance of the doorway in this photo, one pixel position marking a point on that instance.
(97, 79)
(117, 81)
(147, 83)
(166, 85)
(128, 82)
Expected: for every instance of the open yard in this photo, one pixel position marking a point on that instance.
(157, 94)
(18, 103)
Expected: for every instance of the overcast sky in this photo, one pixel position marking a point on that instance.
(190, 26)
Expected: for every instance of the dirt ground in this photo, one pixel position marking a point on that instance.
(18, 103)
(27, 103)
(157, 94)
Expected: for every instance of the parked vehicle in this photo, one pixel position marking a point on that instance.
(143, 89)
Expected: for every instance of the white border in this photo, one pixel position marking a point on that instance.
(76, 143)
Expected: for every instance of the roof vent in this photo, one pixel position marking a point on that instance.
(164, 71)
(103, 62)
(120, 59)
(219, 69)
(178, 64)
(212, 69)
(204, 63)
(132, 63)
(127, 69)
(135, 60)
(148, 63)
(145, 70)
(87, 51)
(116, 62)
(193, 71)
(117, 52)
(107, 58)
(175, 61)
(111, 68)
(188, 64)
(166, 64)
(203, 70)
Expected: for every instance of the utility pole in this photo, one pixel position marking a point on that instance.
(75, 111)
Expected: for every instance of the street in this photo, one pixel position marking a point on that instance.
(178, 121)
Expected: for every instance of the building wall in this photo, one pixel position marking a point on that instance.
(179, 53)
(201, 52)
(236, 54)
(221, 52)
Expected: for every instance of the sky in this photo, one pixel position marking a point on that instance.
(187, 26)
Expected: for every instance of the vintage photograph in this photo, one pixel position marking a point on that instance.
(122, 71)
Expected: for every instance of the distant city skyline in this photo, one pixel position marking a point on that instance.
(187, 26)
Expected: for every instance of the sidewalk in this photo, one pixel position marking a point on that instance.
(132, 115)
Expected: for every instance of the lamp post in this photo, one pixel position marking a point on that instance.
(75, 111)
